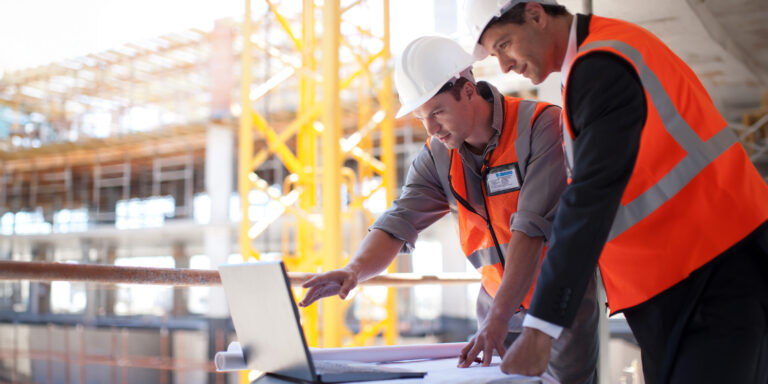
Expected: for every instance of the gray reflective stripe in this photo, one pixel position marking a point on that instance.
(642, 206)
(699, 153)
(568, 144)
(485, 256)
(673, 122)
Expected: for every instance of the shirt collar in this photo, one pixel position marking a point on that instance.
(570, 53)
(492, 95)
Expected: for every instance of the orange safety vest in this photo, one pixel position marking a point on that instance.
(484, 240)
(693, 192)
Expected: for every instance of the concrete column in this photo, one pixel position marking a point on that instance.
(219, 171)
(110, 292)
(40, 293)
(222, 62)
(181, 260)
(95, 295)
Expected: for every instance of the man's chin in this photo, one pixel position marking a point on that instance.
(535, 80)
(539, 79)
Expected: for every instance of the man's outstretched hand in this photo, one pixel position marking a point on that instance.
(336, 282)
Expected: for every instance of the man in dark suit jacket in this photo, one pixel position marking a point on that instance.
(661, 193)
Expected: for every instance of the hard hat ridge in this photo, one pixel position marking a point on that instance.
(424, 66)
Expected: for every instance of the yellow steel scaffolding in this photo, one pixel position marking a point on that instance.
(354, 73)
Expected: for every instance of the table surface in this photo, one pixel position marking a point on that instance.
(442, 371)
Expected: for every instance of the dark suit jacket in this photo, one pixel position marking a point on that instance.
(606, 107)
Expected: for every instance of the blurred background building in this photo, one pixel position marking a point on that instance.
(184, 135)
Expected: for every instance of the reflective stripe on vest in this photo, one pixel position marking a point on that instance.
(699, 153)
(693, 192)
(485, 256)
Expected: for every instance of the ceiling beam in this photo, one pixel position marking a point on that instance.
(718, 33)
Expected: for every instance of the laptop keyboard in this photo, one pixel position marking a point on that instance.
(340, 366)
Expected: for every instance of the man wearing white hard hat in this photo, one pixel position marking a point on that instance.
(497, 164)
(663, 197)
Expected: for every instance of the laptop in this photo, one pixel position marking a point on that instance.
(266, 321)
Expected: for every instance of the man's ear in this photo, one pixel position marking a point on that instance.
(534, 13)
(469, 90)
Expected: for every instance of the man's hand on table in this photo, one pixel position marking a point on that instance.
(529, 354)
(487, 339)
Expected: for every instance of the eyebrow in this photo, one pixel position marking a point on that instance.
(430, 112)
(500, 40)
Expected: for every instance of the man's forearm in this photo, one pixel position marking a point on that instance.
(374, 254)
(521, 265)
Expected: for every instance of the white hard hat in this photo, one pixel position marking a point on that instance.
(478, 13)
(425, 65)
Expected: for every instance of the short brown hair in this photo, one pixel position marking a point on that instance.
(454, 87)
(516, 14)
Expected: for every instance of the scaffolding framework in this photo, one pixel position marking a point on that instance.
(352, 66)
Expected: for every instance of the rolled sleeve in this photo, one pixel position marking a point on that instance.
(545, 178)
(421, 203)
(531, 223)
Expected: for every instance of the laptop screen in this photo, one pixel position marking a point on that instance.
(266, 319)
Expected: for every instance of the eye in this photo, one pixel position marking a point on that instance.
(504, 45)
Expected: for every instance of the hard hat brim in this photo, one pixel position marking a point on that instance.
(413, 104)
(479, 52)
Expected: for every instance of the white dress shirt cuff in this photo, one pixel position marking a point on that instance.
(553, 330)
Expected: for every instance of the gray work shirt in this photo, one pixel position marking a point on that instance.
(424, 200)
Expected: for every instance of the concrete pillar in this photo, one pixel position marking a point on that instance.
(95, 295)
(110, 292)
(40, 293)
(221, 65)
(219, 171)
(181, 260)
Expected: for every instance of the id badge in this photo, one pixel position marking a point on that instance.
(503, 179)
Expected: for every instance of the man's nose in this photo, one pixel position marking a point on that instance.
(506, 63)
(431, 126)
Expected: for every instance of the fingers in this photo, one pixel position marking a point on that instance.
(309, 298)
(469, 354)
(318, 292)
(346, 286)
(338, 282)
(474, 352)
(475, 346)
(463, 355)
(315, 280)
(487, 354)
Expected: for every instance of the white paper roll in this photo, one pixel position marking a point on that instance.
(231, 360)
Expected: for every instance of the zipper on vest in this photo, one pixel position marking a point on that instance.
(465, 203)
(483, 174)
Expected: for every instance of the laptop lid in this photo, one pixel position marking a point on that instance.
(266, 319)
